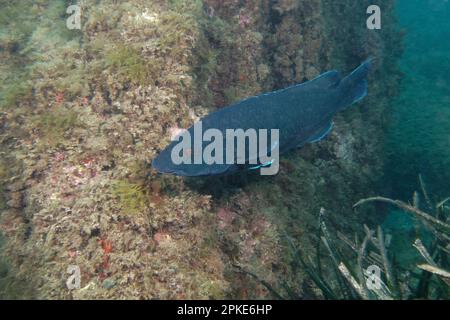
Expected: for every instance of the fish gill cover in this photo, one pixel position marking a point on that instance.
(86, 105)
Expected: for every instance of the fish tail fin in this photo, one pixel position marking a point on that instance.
(355, 85)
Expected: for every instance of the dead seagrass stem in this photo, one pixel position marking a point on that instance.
(408, 208)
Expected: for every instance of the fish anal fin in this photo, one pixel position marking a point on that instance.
(322, 133)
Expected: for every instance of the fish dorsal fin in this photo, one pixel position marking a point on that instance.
(327, 80)
(321, 133)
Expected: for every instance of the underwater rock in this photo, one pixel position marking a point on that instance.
(15, 200)
(85, 110)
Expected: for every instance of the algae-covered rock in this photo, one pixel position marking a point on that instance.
(95, 106)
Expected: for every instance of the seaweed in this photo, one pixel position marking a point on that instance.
(429, 280)
(128, 63)
(133, 197)
(15, 93)
(53, 125)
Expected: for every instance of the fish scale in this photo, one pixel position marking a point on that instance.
(302, 113)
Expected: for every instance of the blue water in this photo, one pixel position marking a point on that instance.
(419, 135)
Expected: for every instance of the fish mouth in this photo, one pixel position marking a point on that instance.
(178, 170)
(159, 166)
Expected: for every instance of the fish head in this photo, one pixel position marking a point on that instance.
(164, 163)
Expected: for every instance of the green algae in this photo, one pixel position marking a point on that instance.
(54, 125)
(128, 63)
(15, 93)
(133, 198)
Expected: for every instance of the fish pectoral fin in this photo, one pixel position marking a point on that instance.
(255, 158)
(327, 80)
(322, 133)
(268, 164)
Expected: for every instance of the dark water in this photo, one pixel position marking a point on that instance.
(419, 135)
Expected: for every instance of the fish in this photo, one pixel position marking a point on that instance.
(303, 114)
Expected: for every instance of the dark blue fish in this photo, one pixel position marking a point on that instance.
(303, 113)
